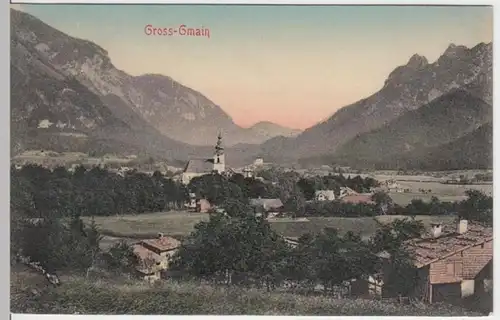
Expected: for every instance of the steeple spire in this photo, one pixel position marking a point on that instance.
(219, 149)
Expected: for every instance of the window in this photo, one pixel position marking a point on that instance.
(450, 269)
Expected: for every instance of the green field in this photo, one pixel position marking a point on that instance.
(404, 199)
(174, 223)
(181, 223)
(444, 192)
(365, 226)
(122, 296)
(426, 220)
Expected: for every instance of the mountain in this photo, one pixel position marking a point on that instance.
(52, 109)
(472, 151)
(443, 121)
(173, 109)
(270, 130)
(406, 88)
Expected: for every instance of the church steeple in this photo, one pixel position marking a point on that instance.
(219, 161)
(219, 149)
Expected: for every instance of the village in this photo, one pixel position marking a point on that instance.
(454, 260)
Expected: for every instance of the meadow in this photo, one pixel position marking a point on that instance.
(147, 225)
(444, 192)
(98, 295)
(179, 224)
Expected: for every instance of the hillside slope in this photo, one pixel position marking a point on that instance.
(173, 109)
(472, 151)
(52, 109)
(120, 296)
(407, 88)
(442, 121)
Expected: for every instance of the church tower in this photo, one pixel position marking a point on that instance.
(219, 161)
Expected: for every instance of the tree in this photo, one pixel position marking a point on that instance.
(227, 246)
(121, 257)
(477, 207)
(390, 237)
(93, 241)
(296, 203)
(383, 201)
(403, 278)
(307, 187)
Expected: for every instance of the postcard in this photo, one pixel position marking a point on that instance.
(237, 159)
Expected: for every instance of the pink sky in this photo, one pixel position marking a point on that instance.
(294, 66)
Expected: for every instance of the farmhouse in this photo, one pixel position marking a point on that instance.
(200, 167)
(346, 191)
(451, 265)
(358, 198)
(270, 206)
(324, 195)
(203, 206)
(197, 204)
(154, 256)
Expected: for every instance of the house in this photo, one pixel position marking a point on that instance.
(154, 256)
(451, 265)
(203, 206)
(324, 195)
(346, 191)
(258, 162)
(367, 288)
(200, 167)
(191, 203)
(272, 207)
(247, 172)
(197, 204)
(358, 199)
(291, 241)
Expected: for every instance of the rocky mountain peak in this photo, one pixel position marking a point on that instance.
(455, 51)
(417, 61)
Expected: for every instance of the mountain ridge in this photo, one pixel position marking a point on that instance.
(164, 103)
(406, 88)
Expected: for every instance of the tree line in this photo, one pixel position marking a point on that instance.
(40, 192)
(239, 248)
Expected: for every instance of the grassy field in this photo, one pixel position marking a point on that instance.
(426, 220)
(180, 224)
(444, 192)
(404, 199)
(365, 226)
(174, 223)
(123, 296)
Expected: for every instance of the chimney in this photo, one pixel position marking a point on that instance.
(436, 230)
(462, 226)
(160, 235)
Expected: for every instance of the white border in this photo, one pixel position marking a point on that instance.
(304, 2)
(4, 72)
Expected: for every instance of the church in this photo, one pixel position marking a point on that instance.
(200, 167)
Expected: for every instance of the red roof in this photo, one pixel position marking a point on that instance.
(163, 244)
(143, 253)
(358, 198)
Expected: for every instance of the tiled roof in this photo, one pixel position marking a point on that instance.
(358, 198)
(267, 203)
(163, 244)
(427, 250)
(200, 166)
(144, 253)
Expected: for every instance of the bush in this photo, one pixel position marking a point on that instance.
(101, 297)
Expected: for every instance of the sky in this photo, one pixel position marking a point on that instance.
(292, 65)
